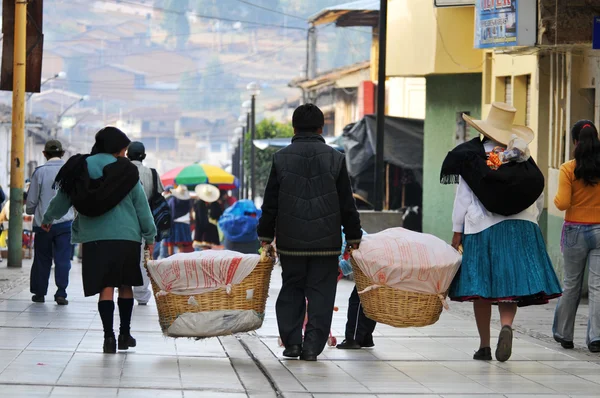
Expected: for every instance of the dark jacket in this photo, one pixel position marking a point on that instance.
(308, 199)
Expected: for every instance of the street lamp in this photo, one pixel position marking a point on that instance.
(239, 138)
(254, 90)
(67, 109)
(59, 75)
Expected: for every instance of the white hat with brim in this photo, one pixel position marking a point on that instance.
(208, 193)
(181, 192)
(499, 125)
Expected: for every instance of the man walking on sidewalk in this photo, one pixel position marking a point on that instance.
(55, 244)
(307, 200)
(151, 183)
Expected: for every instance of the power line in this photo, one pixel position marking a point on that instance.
(272, 10)
(202, 16)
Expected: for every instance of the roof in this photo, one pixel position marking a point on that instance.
(330, 77)
(121, 68)
(356, 13)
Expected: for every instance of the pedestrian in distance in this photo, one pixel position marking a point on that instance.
(307, 200)
(495, 220)
(579, 195)
(151, 184)
(180, 203)
(113, 217)
(54, 245)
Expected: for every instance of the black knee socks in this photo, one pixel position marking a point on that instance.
(125, 310)
(107, 309)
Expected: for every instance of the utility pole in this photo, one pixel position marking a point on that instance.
(245, 177)
(252, 150)
(311, 59)
(379, 159)
(17, 153)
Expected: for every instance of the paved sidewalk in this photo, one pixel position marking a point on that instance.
(51, 351)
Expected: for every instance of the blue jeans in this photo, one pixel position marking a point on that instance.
(581, 250)
(56, 245)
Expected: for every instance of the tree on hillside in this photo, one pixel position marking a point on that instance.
(175, 21)
(266, 129)
(189, 89)
(218, 87)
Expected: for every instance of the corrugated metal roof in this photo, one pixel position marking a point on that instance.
(358, 9)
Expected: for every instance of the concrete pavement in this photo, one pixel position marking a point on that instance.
(51, 351)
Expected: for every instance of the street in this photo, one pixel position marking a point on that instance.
(52, 351)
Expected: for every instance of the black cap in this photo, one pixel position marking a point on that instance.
(53, 146)
(136, 148)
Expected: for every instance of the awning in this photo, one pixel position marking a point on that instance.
(279, 143)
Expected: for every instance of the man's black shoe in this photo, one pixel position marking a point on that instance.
(110, 345)
(368, 342)
(349, 345)
(568, 345)
(483, 354)
(594, 346)
(61, 301)
(126, 342)
(293, 351)
(38, 299)
(307, 356)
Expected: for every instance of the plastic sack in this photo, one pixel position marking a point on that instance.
(407, 260)
(214, 323)
(345, 265)
(201, 272)
(516, 151)
(238, 223)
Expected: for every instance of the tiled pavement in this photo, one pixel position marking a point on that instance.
(51, 351)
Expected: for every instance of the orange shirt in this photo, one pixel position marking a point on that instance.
(582, 202)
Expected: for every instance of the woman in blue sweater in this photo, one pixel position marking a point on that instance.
(113, 218)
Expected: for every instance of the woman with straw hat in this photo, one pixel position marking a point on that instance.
(180, 203)
(495, 219)
(206, 207)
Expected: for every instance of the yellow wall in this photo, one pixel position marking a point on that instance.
(423, 40)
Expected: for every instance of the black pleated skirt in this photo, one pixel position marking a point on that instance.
(110, 263)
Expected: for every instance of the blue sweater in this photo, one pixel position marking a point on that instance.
(130, 220)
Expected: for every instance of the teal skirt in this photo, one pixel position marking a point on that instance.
(507, 262)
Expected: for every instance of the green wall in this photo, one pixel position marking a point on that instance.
(446, 95)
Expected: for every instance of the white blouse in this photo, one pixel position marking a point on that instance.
(471, 217)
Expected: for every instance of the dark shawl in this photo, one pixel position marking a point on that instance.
(511, 189)
(95, 197)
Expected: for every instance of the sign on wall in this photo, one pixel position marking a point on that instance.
(596, 33)
(505, 23)
(453, 3)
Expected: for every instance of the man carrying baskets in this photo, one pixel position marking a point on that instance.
(307, 200)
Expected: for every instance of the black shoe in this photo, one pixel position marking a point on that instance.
(110, 345)
(568, 345)
(594, 346)
(504, 349)
(484, 354)
(308, 356)
(349, 345)
(293, 351)
(61, 301)
(368, 342)
(126, 342)
(38, 299)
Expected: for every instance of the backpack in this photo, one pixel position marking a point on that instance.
(160, 211)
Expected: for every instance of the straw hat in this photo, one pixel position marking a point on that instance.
(181, 192)
(499, 125)
(208, 193)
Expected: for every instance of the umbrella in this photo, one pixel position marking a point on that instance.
(169, 177)
(196, 174)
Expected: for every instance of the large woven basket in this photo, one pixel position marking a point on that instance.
(170, 306)
(396, 307)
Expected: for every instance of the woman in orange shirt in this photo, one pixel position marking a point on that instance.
(579, 195)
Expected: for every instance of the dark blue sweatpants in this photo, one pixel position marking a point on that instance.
(56, 245)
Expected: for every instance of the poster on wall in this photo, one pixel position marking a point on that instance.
(496, 23)
(505, 23)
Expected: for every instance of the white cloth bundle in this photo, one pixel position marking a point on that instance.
(201, 272)
(407, 260)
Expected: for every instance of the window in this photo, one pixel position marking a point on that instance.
(508, 98)
(216, 147)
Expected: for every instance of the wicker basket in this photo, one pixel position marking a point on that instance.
(170, 306)
(396, 307)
